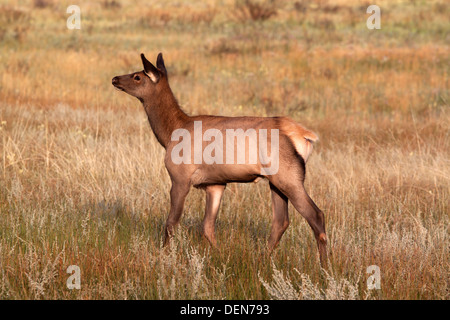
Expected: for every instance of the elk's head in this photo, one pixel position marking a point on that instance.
(143, 84)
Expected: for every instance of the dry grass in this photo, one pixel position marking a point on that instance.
(247, 10)
(82, 181)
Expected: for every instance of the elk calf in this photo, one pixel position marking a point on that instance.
(278, 149)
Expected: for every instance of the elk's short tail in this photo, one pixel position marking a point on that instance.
(301, 138)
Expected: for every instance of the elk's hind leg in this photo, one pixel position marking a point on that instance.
(213, 197)
(289, 181)
(313, 215)
(280, 216)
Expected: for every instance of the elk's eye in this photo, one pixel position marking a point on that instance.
(137, 78)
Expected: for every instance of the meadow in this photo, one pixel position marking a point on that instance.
(82, 178)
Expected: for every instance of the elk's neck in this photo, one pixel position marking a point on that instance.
(164, 115)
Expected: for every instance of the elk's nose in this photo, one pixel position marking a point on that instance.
(115, 80)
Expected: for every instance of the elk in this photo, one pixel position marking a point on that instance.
(170, 123)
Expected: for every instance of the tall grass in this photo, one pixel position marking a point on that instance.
(82, 180)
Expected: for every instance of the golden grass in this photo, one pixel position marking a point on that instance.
(82, 181)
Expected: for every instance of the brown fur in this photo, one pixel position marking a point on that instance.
(152, 88)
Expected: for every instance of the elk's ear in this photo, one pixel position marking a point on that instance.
(149, 69)
(160, 63)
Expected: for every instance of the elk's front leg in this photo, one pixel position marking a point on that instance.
(213, 196)
(178, 194)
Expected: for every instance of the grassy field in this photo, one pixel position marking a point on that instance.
(82, 179)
